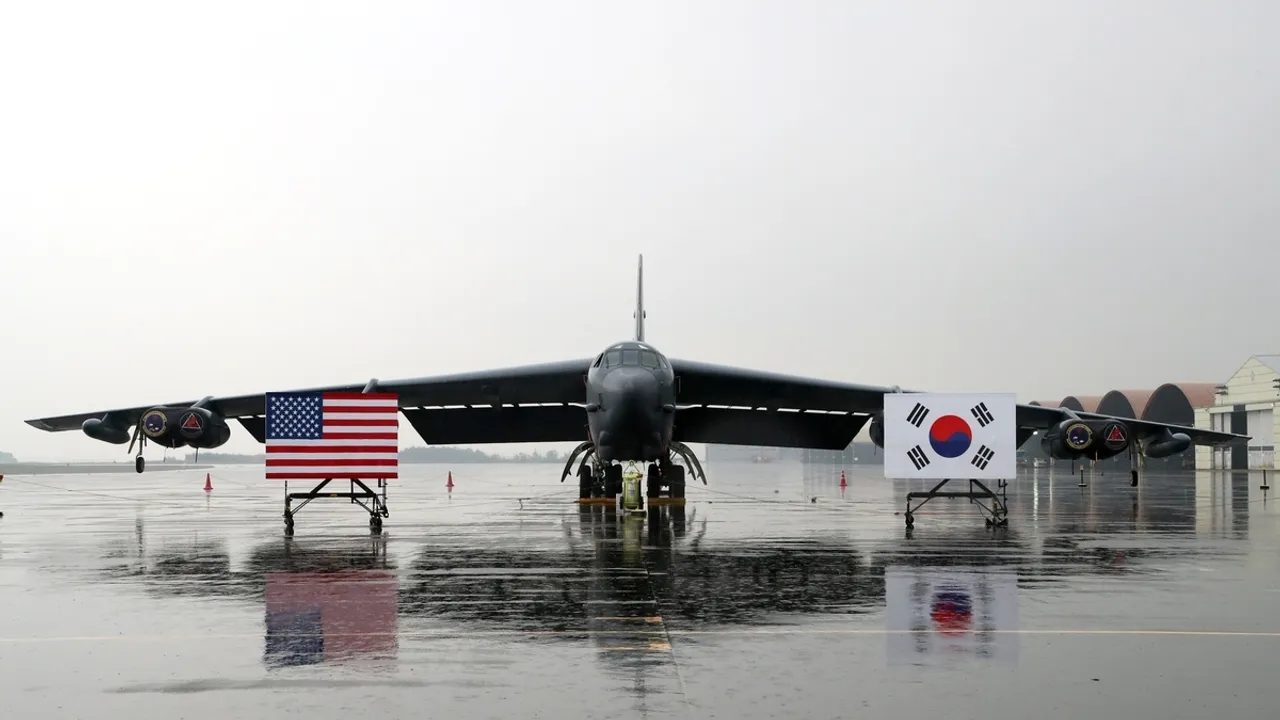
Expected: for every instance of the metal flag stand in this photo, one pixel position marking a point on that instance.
(997, 513)
(376, 501)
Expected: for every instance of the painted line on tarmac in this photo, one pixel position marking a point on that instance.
(630, 634)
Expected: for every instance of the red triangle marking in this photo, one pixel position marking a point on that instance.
(1115, 435)
(191, 423)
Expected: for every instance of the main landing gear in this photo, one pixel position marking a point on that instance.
(997, 513)
(604, 482)
(374, 502)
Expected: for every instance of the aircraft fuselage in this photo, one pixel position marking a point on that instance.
(631, 396)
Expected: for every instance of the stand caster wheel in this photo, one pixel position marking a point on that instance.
(140, 463)
(911, 520)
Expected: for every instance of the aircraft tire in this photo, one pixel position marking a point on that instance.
(677, 481)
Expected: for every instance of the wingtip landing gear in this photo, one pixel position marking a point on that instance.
(139, 463)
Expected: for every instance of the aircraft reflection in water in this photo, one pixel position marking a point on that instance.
(931, 612)
(631, 585)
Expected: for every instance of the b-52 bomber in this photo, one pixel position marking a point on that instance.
(630, 403)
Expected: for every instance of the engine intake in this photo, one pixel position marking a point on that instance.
(876, 430)
(175, 427)
(1093, 439)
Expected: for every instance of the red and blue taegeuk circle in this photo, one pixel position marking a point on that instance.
(951, 611)
(950, 436)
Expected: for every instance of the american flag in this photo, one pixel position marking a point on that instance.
(341, 435)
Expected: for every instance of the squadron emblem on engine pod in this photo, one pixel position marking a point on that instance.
(191, 425)
(1078, 436)
(154, 423)
(1114, 437)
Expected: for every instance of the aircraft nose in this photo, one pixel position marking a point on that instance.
(634, 390)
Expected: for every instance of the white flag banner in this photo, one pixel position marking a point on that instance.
(956, 436)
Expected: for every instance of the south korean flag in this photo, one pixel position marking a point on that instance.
(950, 435)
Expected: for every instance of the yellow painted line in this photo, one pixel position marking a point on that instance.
(634, 633)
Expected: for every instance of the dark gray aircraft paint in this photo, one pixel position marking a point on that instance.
(631, 403)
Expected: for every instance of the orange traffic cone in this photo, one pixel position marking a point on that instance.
(843, 482)
(208, 483)
(449, 484)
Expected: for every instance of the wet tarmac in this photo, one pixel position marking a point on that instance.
(773, 593)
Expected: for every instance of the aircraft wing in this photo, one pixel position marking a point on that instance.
(464, 407)
(1037, 417)
(820, 410)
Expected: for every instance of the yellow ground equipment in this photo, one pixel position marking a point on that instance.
(632, 499)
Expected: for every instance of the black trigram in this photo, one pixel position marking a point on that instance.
(917, 456)
(917, 415)
(982, 414)
(983, 457)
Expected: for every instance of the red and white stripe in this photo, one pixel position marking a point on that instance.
(360, 441)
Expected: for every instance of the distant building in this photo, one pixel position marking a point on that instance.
(1245, 404)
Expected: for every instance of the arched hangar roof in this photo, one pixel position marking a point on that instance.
(1083, 403)
(1173, 403)
(1124, 403)
(1177, 402)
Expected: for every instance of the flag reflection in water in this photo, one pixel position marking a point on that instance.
(329, 617)
(934, 614)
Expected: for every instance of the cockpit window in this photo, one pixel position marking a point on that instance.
(599, 359)
(649, 359)
(613, 358)
(630, 357)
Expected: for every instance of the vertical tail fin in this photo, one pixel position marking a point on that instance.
(640, 302)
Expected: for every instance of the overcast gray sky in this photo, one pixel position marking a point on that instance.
(1036, 197)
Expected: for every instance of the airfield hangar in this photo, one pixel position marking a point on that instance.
(1245, 404)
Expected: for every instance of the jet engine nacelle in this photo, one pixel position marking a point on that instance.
(195, 427)
(175, 427)
(1092, 439)
(876, 430)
